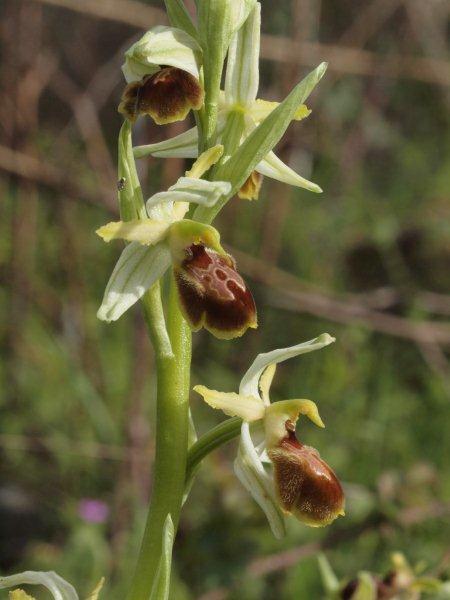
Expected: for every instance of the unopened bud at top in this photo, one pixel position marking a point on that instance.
(162, 71)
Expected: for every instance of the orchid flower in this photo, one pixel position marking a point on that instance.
(300, 484)
(162, 71)
(212, 294)
(240, 112)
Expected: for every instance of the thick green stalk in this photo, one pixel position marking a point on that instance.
(172, 424)
(215, 437)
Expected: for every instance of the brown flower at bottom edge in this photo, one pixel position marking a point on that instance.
(251, 187)
(166, 96)
(213, 294)
(306, 486)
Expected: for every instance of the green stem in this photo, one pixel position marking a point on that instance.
(172, 425)
(221, 434)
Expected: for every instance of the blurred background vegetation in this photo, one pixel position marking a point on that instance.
(368, 261)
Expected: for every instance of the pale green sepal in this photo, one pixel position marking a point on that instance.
(201, 191)
(252, 474)
(131, 201)
(264, 137)
(241, 11)
(162, 45)
(187, 189)
(136, 270)
(161, 585)
(179, 17)
(329, 580)
(184, 145)
(367, 589)
(56, 585)
(250, 382)
(242, 75)
(273, 167)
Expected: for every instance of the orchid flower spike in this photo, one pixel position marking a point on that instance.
(212, 293)
(299, 483)
(240, 112)
(162, 73)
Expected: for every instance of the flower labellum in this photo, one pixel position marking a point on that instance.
(213, 294)
(306, 486)
(250, 189)
(166, 96)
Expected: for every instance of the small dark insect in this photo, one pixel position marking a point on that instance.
(121, 184)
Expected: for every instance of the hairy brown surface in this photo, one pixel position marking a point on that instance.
(166, 96)
(213, 294)
(306, 485)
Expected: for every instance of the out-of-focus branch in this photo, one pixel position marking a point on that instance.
(291, 294)
(33, 169)
(23, 443)
(356, 61)
(344, 60)
(368, 21)
(128, 12)
(87, 118)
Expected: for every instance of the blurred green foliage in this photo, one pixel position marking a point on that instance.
(77, 396)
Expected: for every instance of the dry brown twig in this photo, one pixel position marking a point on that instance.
(345, 60)
(33, 169)
(292, 294)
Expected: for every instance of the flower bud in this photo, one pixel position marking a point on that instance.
(251, 187)
(305, 485)
(381, 589)
(213, 294)
(166, 96)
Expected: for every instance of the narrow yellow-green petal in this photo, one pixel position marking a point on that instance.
(266, 381)
(205, 161)
(234, 405)
(145, 231)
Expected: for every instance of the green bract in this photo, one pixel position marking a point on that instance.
(179, 17)
(131, 200)
(161, 584)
